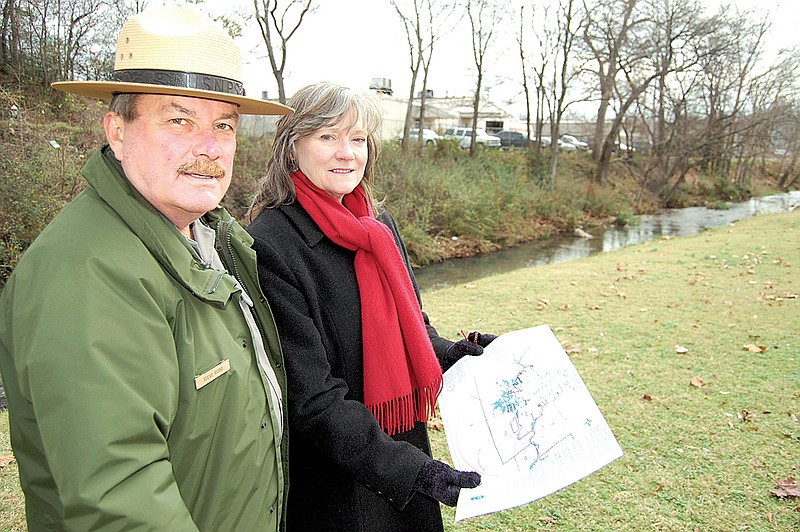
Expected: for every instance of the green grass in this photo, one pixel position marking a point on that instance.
(690, 461)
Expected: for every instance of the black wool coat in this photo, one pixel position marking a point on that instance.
(345, 473)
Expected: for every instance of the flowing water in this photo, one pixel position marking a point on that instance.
(671, 222)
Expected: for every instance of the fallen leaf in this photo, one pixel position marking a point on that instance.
(565, 306)
(6, 459)
(549, 520)
(435, 424)
(569, 348)
(754, 348)
(470, 285)
(786, 488)
(680, 349)
(697, 381)
(646, 397)
(745, 415)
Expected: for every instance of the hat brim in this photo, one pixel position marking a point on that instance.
(105, 90)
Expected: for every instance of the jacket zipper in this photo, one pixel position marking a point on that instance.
(227, 249)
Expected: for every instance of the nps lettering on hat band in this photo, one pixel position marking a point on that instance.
(188, 80)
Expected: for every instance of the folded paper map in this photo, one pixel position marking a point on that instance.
(522, 417)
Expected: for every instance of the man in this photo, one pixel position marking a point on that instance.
(140, 359)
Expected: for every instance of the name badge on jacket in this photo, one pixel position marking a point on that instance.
(204, 378)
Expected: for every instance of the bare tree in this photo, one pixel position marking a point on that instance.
(544, 29)
(525, 89)
(277, 27)
(425, 22)
(562, 76)
(606, 36)
(485, 17)
(49, 40)
(10, 35)
(413, 28)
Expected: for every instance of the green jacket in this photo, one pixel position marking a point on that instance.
(104, 326)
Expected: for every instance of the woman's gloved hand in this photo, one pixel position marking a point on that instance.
(471, 346)
(443, 483)
(481, 339)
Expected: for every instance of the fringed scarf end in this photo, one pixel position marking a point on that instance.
(399, 414)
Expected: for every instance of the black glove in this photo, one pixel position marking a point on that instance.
(481, 339)
(443, 483)
(472, 346)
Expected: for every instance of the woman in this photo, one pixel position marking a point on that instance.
(364, 364)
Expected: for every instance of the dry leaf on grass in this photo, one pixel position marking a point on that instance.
(435, 424)
(680, 349)
(787, 487)
(752, 348)
(6, 459)
(569, 348)
(745, 415)
(697, 381)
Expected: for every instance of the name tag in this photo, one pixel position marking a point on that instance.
(220, 369)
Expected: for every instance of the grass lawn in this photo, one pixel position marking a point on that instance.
(641, 323)
(691, 349)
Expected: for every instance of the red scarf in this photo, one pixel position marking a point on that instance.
(402, 377)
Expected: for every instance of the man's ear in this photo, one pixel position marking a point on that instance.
(115, 132)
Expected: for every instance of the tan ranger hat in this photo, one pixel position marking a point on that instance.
(176, 50)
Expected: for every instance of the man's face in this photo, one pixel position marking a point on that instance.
(177, 152)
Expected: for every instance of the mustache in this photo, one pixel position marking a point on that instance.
(209, 168)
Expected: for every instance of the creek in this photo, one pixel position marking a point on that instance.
(668, 223)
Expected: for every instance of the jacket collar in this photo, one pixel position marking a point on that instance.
(105, 175)
(303, 222)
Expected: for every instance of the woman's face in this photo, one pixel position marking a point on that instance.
(334, 157)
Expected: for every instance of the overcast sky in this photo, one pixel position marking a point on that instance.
(353, 41)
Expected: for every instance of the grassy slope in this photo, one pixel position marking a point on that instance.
(691, 462)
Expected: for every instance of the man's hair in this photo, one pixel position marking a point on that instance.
(124, 105)
(315, 106)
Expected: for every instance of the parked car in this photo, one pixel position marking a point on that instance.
(512, 139)
(566, 147)
(579, 144)
(429, 136)
(464, 137)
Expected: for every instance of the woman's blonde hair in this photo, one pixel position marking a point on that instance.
(315, 106)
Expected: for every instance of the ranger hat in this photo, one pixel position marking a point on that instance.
(176, 50)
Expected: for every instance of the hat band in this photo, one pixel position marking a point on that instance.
(188, 80)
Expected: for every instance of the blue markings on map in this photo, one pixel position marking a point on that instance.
(524, 415)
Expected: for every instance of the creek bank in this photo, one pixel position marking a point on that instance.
(459, 247)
